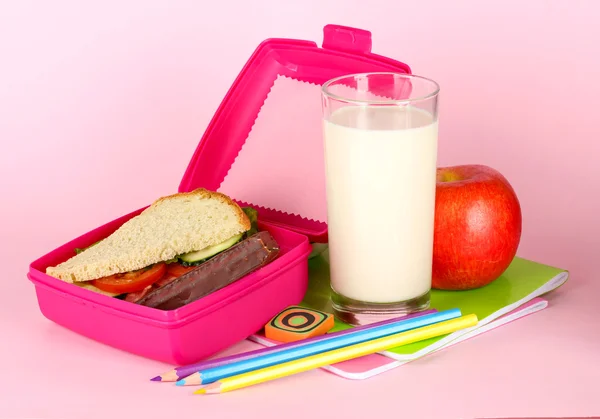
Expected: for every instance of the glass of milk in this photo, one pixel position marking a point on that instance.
(380, 134)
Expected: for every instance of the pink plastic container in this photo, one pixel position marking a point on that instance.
(184, 335)
(211, 324)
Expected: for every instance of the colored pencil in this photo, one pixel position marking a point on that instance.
(186, 370)
(337, 355)
(315, 347)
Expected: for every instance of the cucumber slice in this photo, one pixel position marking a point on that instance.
(200, 255)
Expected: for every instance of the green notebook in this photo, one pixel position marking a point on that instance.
(523, 281)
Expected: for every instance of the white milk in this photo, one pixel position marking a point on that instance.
(381, 181)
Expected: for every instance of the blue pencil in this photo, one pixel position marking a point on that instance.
(210, 375)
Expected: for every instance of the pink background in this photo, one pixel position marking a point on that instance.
(102, 104)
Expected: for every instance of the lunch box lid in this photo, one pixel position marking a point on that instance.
(263, 146)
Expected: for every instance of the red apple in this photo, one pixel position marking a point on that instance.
(477, 227)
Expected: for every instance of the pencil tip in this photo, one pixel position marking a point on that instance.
(200, 391)
(166, 376)
(180, 383)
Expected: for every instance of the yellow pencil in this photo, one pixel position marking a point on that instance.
(338, 355)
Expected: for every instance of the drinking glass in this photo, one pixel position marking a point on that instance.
(380, 134)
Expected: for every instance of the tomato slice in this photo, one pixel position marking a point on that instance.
(177, 269)
(133, 281)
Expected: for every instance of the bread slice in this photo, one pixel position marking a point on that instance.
(171, 226)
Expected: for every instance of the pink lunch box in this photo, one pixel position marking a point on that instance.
(211, 324)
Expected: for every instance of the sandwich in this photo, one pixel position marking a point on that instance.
(179, 249)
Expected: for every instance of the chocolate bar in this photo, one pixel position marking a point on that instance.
(216, 273)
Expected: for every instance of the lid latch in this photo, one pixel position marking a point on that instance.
(344, 38)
